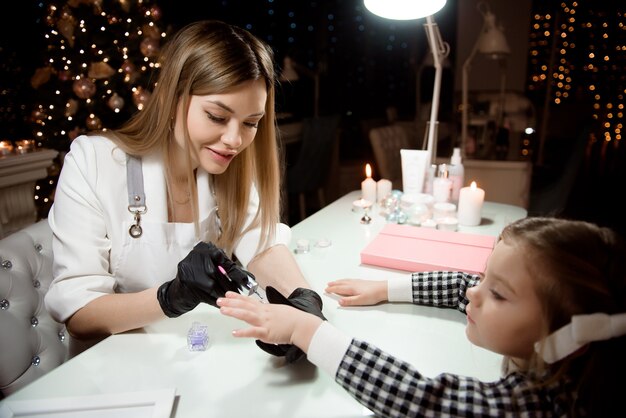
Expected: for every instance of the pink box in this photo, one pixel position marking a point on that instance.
(411, 248)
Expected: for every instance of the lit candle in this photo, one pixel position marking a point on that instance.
(25, 145)
(368, 186)
(470, 205)
(6, 148)
(383, 188)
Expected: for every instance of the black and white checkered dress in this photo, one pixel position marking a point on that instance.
(392, 388)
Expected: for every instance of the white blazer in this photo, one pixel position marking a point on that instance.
(93, 252)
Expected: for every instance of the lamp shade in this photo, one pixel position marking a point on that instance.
(492, 41)
(404, 9)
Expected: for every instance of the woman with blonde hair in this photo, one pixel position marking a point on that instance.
(194, 176)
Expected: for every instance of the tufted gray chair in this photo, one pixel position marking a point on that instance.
(387, 141)
(31, 342)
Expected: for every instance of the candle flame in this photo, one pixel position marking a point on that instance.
(473, 185)
(368, 170)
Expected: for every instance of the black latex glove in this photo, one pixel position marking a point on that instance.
(199, 280)
(305, 300)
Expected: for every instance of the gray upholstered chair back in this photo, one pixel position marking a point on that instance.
(31, 342)
(387, 141)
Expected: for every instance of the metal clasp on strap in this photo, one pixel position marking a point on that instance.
(136, 196)
(135, 229)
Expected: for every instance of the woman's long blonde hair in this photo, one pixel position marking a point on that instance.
(212, 57)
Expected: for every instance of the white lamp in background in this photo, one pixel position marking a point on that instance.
(416, 9)
(492, 43)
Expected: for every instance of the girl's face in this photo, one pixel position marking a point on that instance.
(504, 314)
(220, 126)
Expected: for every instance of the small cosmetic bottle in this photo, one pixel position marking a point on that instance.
(197, 337)
(456, 174)
(442, 185)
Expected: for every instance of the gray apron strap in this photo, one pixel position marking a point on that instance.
(136, 195)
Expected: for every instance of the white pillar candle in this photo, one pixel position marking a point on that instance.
(383, 188)
(470, 205)
(368, 186)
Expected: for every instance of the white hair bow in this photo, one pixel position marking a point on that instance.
(581, 331)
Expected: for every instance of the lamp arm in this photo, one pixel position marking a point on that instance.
(440, 50)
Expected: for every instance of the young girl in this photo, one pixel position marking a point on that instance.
(132, 203)
(552, 301)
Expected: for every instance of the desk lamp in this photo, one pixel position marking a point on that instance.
(416, 9)
(492, 43)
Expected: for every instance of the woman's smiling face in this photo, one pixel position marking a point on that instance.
(220, 125)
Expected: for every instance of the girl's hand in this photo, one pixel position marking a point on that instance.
(270, 323)
(359, 292)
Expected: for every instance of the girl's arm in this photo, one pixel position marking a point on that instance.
(442, 289)
(436, 288)
(386, 385)
(359, 292)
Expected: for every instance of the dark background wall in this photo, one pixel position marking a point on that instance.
(367, 64)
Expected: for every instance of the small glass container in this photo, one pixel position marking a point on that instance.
(198, 337)
(429, 223)
(392, 217)
(303, 246)
(323, 243)
(402, 217)
(444, 210)
(418, 213)
(360, 205)
(449, 223)
(396, 194)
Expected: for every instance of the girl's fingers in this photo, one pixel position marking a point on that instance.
(340, 289)
(241, 307)
(234, 295)
(239, 313)
(238, 309)
(235, 299)
(338, 282)
(252, 332)
(349, 301)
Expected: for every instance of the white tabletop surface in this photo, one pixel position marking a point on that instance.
(234, 378)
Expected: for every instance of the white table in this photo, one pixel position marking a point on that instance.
(234, 378)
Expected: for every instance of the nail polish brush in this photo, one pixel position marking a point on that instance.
(250, 286)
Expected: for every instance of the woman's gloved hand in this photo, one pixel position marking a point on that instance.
(304, 299)
(199, 280)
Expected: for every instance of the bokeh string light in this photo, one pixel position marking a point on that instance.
(100, 57)
(579, 52)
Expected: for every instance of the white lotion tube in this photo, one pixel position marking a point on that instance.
(414, 163)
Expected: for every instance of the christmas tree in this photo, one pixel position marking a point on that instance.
(100, 61)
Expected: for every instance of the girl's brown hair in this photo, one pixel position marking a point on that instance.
(578, 268)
